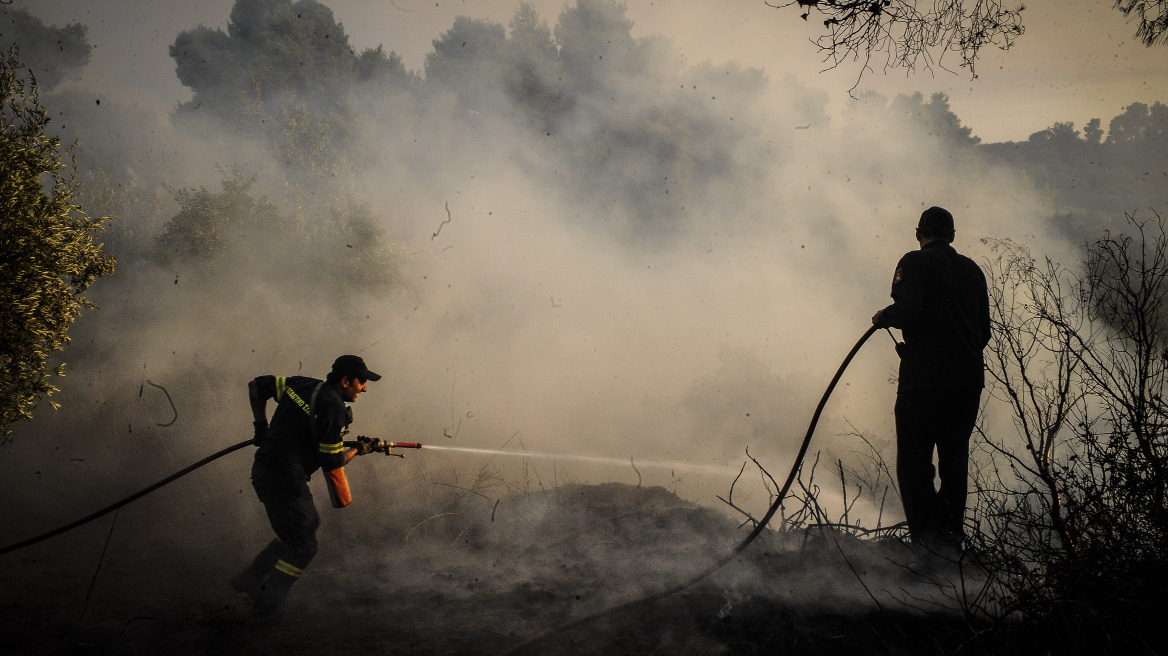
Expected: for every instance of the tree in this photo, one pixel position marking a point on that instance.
(207, 221)
(936, 117)
(908, 36)
(48, 254)
(533, 78)
(597, 48)
(1139, 121)
(276, 48)
(1093, 134)
(468, 58)
(1072, 510)
(50, 52)
(1152, 18)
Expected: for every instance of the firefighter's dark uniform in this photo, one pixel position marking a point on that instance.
(290, 451)
(941, 305)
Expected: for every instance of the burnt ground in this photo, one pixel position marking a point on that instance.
(473, 573)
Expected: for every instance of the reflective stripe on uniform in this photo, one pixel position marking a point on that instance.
(281, 386)
(332, 448)
(288, 568)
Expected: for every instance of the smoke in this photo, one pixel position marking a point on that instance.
(671, 267)
(644, 261)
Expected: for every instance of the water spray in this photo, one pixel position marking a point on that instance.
(674, 465)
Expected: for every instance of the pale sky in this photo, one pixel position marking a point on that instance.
(1077, 60)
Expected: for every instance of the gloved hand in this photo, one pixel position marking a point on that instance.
(261, 427)
(367, 445)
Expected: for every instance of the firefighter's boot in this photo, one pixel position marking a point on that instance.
(249, 581)
(275, 588)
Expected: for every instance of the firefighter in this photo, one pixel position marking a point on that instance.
(941, 305)
(305, 434)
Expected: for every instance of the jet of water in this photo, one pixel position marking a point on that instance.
(675, 465)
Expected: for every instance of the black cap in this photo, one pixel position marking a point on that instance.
(937, 220)
(353, 365)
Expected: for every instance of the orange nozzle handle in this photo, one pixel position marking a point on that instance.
(404, 445)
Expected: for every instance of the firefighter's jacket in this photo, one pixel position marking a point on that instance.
(941, 305)
(291, 438)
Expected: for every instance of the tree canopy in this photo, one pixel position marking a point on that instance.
(910, 34)
(1151, 19)
(51, 52)
(273, 48)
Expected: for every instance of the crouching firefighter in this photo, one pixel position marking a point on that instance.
(305, 434)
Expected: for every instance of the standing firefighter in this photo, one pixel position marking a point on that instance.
(941, 305)
(305, 435)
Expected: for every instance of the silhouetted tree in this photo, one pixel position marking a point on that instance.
(936, 117)
(1139, 121)
(1151, 18)
(274, 48)
(469, 59)
(1072, 510)
(1092, 133)
(597, 48)
(533, 78)
(910, 33)
(50, 52)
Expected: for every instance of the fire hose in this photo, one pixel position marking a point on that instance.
(722, 562)
(133, 497)
(383, 447)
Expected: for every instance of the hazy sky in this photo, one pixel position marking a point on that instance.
(1077, 60)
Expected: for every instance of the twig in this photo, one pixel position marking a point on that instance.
(100, 560)
(763, 469)
(750, 518)
(859, 578)
(419, 524)
(465, 489)
(168, 399)
(448, 220)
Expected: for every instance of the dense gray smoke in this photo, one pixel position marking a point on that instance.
(556, 238)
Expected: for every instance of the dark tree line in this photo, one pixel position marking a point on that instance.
(1089, 174)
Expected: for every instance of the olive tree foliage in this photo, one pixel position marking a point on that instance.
(1076, 500)
(910, 33)
(48, 252)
